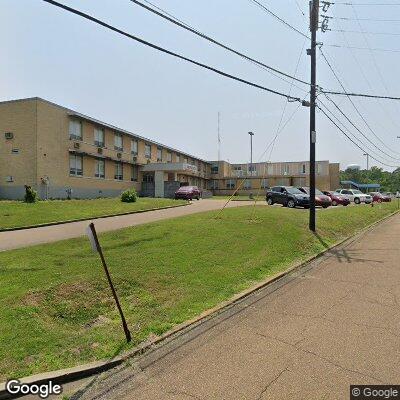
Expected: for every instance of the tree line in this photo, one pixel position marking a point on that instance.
(389, 181)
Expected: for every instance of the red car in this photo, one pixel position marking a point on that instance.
(379, 197)
(337, 198)
(188, 193)
(321, 199)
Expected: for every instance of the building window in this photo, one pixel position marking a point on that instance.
(118, 172)
(213, 184)
(134, 147)
(285, 169)
(75, 164)
(159, 154)
(303, 169)
(230, 184)
(318, 169)
(149, 178)
(185, 160)
(99, 169)
(264, 183)
(247, 184)
(169, 156)
(75, 129)
(178, 158)
(252, 170)
(118, 145)
(214, 169)
(134, 173)
(99, 137)
(147, 151)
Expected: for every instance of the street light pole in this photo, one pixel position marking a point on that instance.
(366, 154)
(251, 152)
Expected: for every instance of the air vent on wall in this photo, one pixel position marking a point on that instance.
(119, 155)
(76, 145)
(100, 150)
(8, 135)
(134, 159)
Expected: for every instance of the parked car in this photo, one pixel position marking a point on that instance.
(321, 200)
(355, 195)
(288, 196)
(337, 198)
(380, 197)
(188, 193)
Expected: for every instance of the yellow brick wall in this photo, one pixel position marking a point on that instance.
(19, 118)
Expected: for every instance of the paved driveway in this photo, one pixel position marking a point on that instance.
(29, 237)
(310, 335)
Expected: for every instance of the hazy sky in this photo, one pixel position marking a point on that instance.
(61, 57)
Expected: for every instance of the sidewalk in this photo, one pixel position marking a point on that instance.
(29, 237)
(310, 335)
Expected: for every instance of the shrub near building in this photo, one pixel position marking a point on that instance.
(129, 196)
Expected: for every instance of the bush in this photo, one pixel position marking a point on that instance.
(30, 195)
(129, 196)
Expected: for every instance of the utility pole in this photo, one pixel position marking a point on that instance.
(314, 14)
(251, 152)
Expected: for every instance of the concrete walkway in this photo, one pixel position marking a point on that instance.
(29, 237)
(310, 335)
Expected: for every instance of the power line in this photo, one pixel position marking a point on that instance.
(146, 43)
(352, 53)
(366, 32)
(169, 17)
(364, 48)
(363, 19)
(360, 95)
(358, 130)
(367, 4)
(267, 10)
(355, 107)
(374, 60)
(348, 137)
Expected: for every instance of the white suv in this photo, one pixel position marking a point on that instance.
(355, 195)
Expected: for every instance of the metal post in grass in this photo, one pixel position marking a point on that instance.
(94, 241)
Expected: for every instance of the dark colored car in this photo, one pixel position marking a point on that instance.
(380, 197)
(337, 198)
(288, 196)
(188, 193)
(321, 200)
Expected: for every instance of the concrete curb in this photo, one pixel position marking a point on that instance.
(85, 370)
(20, 228)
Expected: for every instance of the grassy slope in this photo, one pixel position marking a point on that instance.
(17, 213)
(56, 309)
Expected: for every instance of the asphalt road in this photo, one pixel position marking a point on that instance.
(333, 323)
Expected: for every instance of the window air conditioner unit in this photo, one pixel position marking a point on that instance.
(119, 155)
(100, 150)
(9, 135)
(76, 145)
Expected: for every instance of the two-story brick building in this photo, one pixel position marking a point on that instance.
(62, 153)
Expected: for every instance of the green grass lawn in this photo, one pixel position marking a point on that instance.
(57, 311)
(17, 213)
